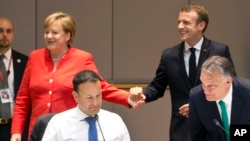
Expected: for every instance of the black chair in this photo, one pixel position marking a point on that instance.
(40, 126)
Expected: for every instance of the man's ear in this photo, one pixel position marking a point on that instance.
(75, 95)
(229, 79)
(202, 25)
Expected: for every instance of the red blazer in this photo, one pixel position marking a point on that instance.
(44, 91)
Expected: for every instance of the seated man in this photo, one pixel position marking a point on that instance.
(73, 124)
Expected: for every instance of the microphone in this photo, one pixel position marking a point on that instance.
(97, 119)
(216, 122)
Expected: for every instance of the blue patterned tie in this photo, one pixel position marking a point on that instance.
(92, 128)
(224, 119)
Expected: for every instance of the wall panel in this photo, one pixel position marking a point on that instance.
(229, 21)
(22, 14)
(93, 27)
(142, 29)
(151, 122)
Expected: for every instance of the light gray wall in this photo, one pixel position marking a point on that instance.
(126, 38)
(228, 24)
(23, 16)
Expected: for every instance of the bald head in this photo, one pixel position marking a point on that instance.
(3, 19)
(6, 34)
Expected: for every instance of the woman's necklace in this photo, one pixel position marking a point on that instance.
(58, 57)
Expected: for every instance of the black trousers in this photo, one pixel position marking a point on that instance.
(5, 132)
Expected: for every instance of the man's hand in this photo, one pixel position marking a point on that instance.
(184, 109)
(136, 98)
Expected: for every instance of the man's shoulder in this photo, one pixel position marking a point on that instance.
(107, 113)
(19, 54)
(242, 83)
(46, 117)
(196, 92)
(176, 46)
(65, 113)
(173, 50)
(213, 43)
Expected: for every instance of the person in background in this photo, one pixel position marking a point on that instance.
(179, 68)
(219, 87)
(46, 86)
(14, 63)
(72, 124)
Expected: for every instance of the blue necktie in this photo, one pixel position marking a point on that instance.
(224, 119)
(92, 128)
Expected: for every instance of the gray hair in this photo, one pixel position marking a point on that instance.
(220, 63)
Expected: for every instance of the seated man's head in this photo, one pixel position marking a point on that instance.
(87, 92)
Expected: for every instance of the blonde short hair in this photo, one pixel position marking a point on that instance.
(67, 21)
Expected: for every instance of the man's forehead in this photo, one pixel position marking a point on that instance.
(4, 23)
(5, 28)
(93, 94)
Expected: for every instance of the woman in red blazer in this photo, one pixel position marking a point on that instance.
(47, 82)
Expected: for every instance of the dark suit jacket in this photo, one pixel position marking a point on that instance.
(172, 72)
(19, 64)
(40, 126)
(202, 112)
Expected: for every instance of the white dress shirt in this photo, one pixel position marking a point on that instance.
(228, 103)
(187, 53)
(70, 125)
(8, 62)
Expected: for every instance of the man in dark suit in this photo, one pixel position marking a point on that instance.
(173, 70)
(40, 126)
(15, 63)
(219, 85)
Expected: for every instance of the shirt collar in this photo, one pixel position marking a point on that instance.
(8, 54)
(228, 99)
(81, 115)
(196, 46)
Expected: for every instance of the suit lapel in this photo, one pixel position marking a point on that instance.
(203, 56)
(16, 68)
(180, 60)
(204, 53)
(237, 103)
(214, 114)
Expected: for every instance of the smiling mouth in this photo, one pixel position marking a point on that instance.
(50, 42)
(182, 33)
(4, 40)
